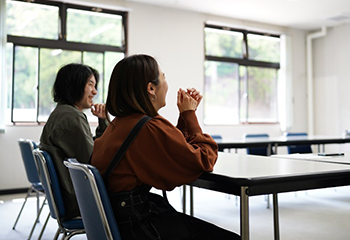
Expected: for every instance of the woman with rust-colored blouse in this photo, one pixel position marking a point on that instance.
(161, 156)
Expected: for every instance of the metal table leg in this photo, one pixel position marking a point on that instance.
(276, 217)
(269, 154)
(184, 198)
(269, 149)
(244, 214)
(191, 200)
(276, 147)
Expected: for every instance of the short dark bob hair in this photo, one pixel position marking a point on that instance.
(70, 83)
(127, 90)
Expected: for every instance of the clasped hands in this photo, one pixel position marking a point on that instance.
(188, 100)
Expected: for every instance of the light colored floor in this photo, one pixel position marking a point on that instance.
(316, 214)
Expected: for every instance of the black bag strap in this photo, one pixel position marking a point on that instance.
(126, 144)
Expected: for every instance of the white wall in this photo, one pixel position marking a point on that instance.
(175, 39)
(331, 82)
(12, 173)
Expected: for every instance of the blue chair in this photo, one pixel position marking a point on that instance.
(298, 148)
(218, 138)
(48, 177)
(262, 151)
(26, 147)
(94, 204)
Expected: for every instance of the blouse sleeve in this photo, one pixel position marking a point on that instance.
(181, 125)
(165, 158)
(102, 125)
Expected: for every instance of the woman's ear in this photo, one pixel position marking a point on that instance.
(150, 89)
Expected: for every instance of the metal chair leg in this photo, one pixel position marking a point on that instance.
(36, 220)
(64, 236)
(57, 234)
(37, 205)
(24, 203)
(43, 229)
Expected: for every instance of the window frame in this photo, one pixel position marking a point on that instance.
(246, 62)
(62, 43)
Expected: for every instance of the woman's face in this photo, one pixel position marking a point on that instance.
(89, 93)
(160, 91)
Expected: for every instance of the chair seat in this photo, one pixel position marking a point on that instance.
(73, 224)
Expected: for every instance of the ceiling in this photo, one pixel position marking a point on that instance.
(301, 14)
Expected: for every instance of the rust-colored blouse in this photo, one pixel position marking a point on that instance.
(162, 155)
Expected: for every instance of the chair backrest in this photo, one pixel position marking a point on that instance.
(48, 177)
(26, 147)
(297, 148)
(216, 137)
(93, 201)
(262, 151)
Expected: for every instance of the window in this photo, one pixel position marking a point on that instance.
(32, 20)
(241, 76)
(42, 37)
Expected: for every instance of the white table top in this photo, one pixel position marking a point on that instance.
(345, 159)
(250, 166)
(283, 140)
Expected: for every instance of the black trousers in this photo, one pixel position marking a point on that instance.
(142, 215)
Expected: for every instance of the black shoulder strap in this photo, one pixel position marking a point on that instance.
(127, 142)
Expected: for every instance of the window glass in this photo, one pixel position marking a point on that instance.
(262, 94)
(9, 67)
(35, 53)
(243, 94)
(222, 43)
(51, 60)
(32, 20)
(221, 86)
(240, 82)
(95, 60)
(25, 84)
(263, 48)
(111, 59)
(92, 27)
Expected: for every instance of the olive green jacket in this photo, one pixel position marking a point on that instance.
(67, 134)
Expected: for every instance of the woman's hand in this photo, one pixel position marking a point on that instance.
(99, 110)
(185, 101)
(194, 93)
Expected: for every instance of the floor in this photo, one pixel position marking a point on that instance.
(315, 214)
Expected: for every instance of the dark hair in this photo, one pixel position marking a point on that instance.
(127, 91)
(70, 83)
